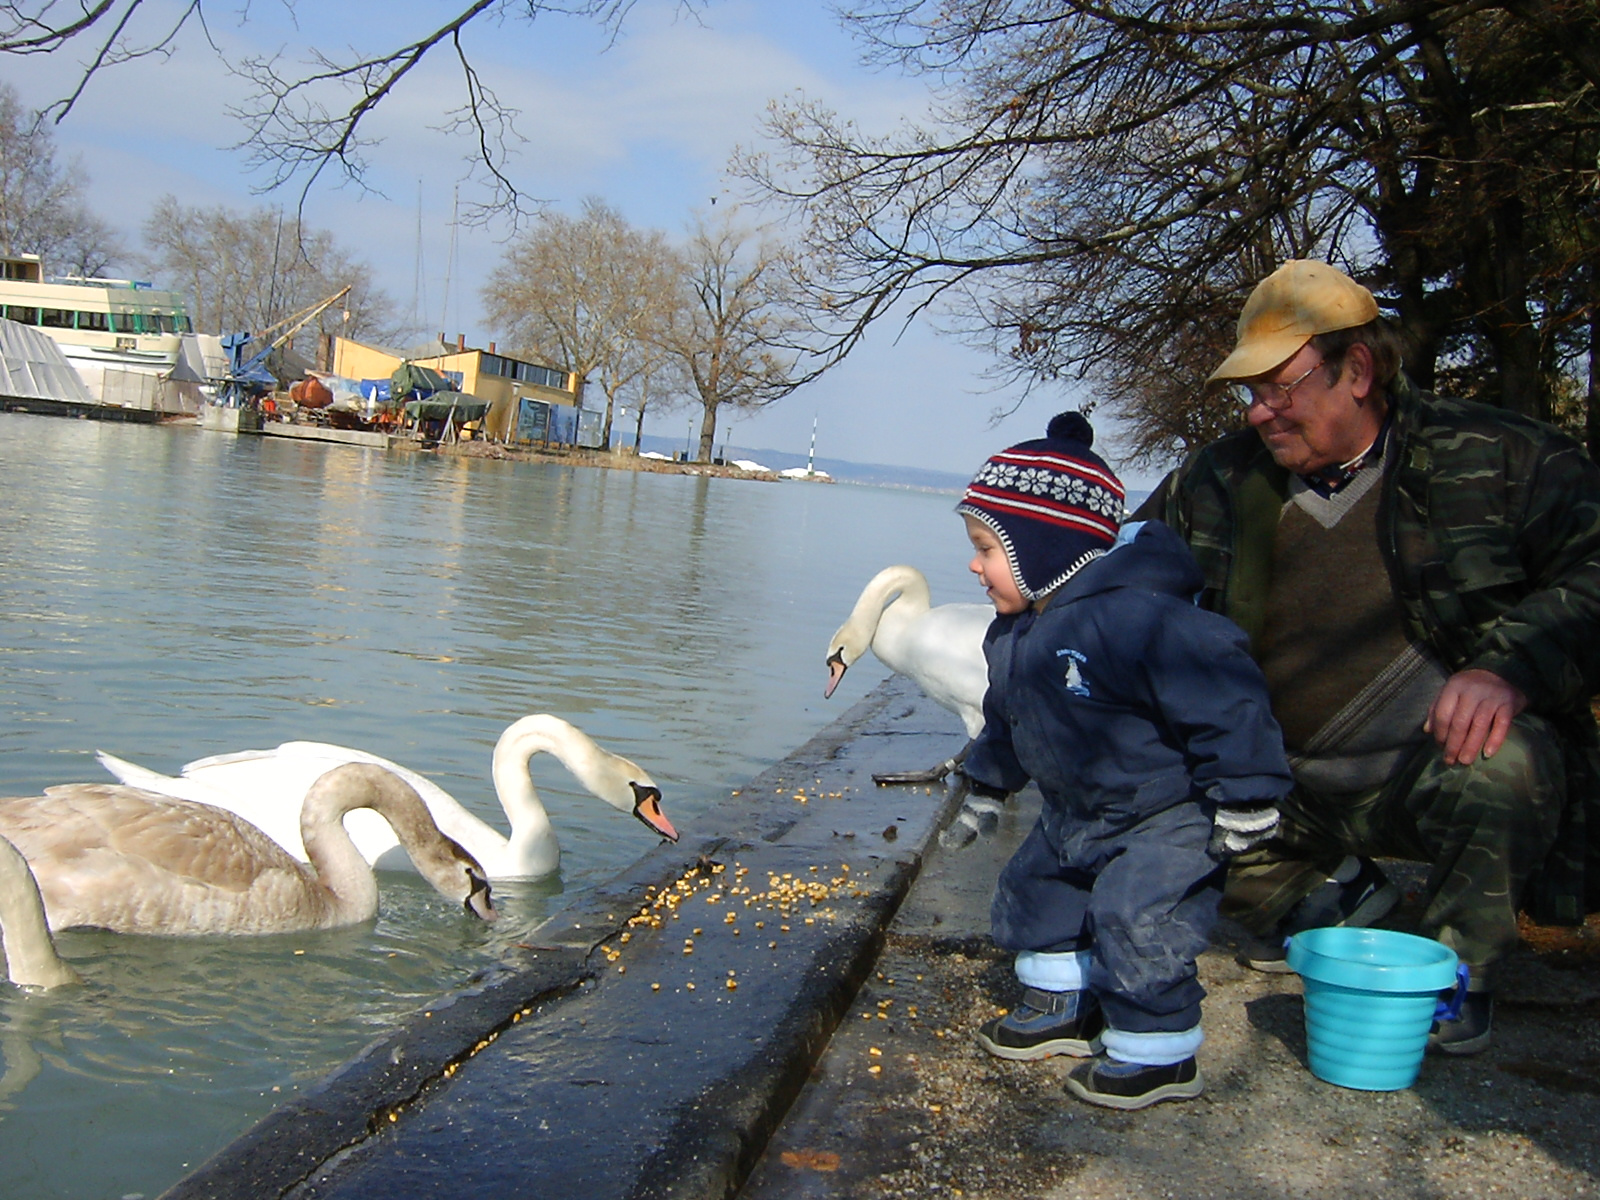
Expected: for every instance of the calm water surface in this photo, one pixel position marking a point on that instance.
(167, 594)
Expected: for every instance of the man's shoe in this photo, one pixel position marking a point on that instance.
(1045, 1024)
(1128, 1086)
(1468, 1034)
(1365, 900)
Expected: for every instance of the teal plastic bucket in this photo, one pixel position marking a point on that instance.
(1371, 997)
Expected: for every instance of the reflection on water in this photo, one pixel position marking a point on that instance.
(168, 594)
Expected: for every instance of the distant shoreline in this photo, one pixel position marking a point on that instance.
(615, 460)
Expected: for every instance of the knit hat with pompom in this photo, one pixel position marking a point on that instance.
(1053, 503)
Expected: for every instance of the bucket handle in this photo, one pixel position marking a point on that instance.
(1449, 1007)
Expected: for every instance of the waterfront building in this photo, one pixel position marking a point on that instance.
(122, 336)
(528, 401)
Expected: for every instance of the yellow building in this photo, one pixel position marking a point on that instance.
(497, 379)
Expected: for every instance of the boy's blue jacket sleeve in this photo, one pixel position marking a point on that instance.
(1200, 677)
(991, 760)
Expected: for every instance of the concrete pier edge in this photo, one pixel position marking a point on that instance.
(311, 1143)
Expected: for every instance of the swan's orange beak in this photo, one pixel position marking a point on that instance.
(647, 807)
(836, 670)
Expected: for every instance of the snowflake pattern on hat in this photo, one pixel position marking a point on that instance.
(1037, 481)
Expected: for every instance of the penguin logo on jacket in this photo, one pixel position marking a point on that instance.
(1076, 684)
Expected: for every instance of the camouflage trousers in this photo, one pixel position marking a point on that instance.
(1483, 828)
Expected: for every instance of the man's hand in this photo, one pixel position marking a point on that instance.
(1472, 715)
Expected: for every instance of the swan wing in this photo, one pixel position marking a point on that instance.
(267, 788)
(120, 858)
(942, 652)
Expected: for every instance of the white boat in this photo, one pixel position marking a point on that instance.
(34, 375)
(122, 336)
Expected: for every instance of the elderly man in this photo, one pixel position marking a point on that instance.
(1420, 581)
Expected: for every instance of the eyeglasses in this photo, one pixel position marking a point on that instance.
(1276, 396)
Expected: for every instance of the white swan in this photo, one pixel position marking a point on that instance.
(940, 649)
(31, 958)
(108, 856)
(266, 786)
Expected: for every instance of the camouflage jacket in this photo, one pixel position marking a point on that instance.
(1490, 527)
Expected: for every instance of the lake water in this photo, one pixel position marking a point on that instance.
(167, 594)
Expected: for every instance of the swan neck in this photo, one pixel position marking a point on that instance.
(344, 878)
(31, 958)
(894, 595)
(897, 617)
(512, 782)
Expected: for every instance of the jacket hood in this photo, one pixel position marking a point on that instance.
(1147, 555)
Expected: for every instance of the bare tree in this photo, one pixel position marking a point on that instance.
(655, 383)
(248, 271)
(736, 328)
(1103, 181)
(582, 292)
(309, 111)
(41, 202)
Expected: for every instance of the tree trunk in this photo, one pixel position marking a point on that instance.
(1592, 414)
(605, 429)
(638, 431)
(708, 431)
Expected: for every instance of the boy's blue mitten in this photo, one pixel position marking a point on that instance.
(1241, 827)
(980, 811)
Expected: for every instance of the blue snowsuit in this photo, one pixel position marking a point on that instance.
(1137, 714)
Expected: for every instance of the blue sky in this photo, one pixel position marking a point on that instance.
(646, 121)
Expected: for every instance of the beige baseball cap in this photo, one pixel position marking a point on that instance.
(1287, 309)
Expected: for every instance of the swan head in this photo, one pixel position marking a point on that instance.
(647, 807)
(455, 874)
(478, 904)
(860, 632)
(837, 666)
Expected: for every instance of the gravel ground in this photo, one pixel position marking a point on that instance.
(904, 1103)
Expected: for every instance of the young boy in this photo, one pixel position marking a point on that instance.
(1146, 725)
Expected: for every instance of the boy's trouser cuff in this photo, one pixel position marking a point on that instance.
(1151, 1049)
(1066, 972)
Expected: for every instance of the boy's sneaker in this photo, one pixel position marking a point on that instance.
(1045, 1024)
(1365, 900)
(1468, 1034)
(1128, 1086)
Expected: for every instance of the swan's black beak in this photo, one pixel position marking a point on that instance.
(647, 807)
(477, 902)
(836, 669)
